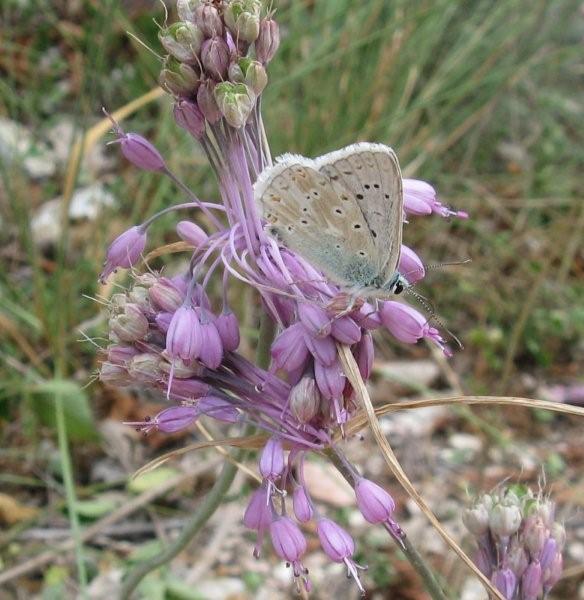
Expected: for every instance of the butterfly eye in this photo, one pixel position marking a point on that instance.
(398, 289)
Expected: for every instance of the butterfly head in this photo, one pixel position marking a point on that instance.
(395, 285)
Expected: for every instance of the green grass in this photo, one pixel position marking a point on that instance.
(478, 97)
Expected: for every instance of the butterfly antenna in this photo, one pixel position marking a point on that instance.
(433, 316)
(434, 266)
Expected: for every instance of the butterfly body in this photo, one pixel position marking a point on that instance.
(342, 212)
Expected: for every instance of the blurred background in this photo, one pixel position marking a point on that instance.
(481, 98)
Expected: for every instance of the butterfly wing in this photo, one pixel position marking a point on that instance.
(371, 173)
(319, 219)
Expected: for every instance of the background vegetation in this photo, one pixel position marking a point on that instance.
(483, 99)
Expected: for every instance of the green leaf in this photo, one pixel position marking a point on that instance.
(78, 416)
(97, 507)
(152, 479)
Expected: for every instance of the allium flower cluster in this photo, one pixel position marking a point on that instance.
(167, 334)
(519, 542)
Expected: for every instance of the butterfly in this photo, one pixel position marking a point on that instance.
(342, 212)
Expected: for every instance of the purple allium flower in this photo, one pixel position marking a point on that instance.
(531, 582)
(330, 379)
(420, 199)
(506, 582)
(217, 408)
(124, 251)
(302, 505)
(183, 40)
(323, 349)
(272, 459)
(305, 399)
(339, 546)
(188, 116)
(289, 543)
(169, 420)
(228, 328)
(207, 103)
(315, 319)
(165, 295)
(258, 516)
(211, 350)
(215, 57)
(410, 265)
(268, 40)
(345, 330)
(190, 232)
(184, 336)
(375, 504)
(207, 18)
(289, 350)
(364, 355)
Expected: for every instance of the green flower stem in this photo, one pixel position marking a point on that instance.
(214, 498)
(411, 553)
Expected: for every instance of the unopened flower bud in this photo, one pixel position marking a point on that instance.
(130, 326)
(190, 232)
(268, 40)
(315, 319)
(476, 519)
(183, 339)
(177, 78)
(345, 330)
(139, 295)
(235, 101)
(211, 352)
(121, 355)
(323, 349)
(272, 459)
(330, 379)
(531, 584)
(553, 572)
(228, 327)
(288, 541)
(420, 199)
(165, 295)
(367, 316)
(410, 265)
(183, 40)
(254, 75)
(375, 504)
(169, 420)
(504, 521)
(215, 57)
(305, 399)
(505, 581)
(189, 117)
(364, 354)
(207, 18)
(302, 505)
(243, 19)
(207, 103)
(289, 349)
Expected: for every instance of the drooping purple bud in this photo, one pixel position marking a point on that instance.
(364, 354)
(130, 326)
(121, 355)
(546, 553)
(305, 399)
(553, 572)
(187, 389)
(188, 116)
(408, 325)
(289, 350)
(175, 418)
(215, 57)
(323, 349)
(184, 339)
(315, 319)
(211, 352)
(420, 199)
(338, 545)
(163, 320)
(165, 295)
(330, 379)
(288, 542)
(367, 316)
(218, 408)
(504, 520)
(207, 18)
(207, 103)
(228, 327)
(345, 330)
(375, 504)
(190, 232)
(183, 40)
(505, 581)
(268, 40)
(531, 584)
(272, 459)
(124, 251)
(302, 505)
(476, 519)
(410, 265)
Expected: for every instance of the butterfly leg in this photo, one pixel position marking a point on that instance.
(349, 307)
